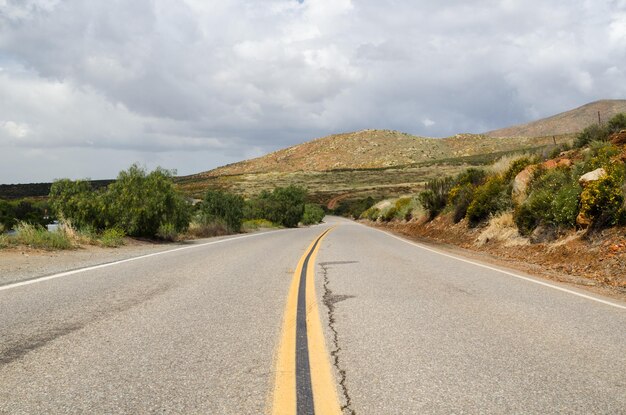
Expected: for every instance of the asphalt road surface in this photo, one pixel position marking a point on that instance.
(390, 328)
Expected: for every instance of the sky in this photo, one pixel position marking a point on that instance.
(89, 87)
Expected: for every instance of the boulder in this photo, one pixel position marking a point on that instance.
(520, 184)
(583, 221)
(592, 176)
(523, 178)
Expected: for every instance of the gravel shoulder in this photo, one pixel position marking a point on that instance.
(576, 264)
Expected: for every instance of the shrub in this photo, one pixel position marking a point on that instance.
(434, 198)
(404, 208)
(597, 132)
(253, 224)
(461, 197)
(553, 201)
(617, 123)
(224, 207)
(112, 238)
(372, 214)
(167, 232)
(23, 210)
(516, 167)
(140, 203)
(284, 206)
(36, 236)
(602, 201)
(592, 133)
(206, 230)
(353, 208)
(137, 203)
(462, 193)
(288, 206)
(490, 198)
(76, 201)
(312, 214)
(389, 214)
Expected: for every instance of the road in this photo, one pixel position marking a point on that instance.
(372, 324)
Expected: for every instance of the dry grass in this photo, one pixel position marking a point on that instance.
(201, 230)
(504, 163)
(570, 237)
(501, 228)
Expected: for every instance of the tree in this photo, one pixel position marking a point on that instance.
(283, 206)
(141, 203)
(312, 214)
(223, 207)
(287, 205)
(77, 202)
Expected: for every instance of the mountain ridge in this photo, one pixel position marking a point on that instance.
(371, 149)
(567, 122)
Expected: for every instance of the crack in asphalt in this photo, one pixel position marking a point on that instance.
(330, 300)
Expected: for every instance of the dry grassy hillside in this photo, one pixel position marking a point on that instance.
(385, 162)
(372, 149)
(566, 122)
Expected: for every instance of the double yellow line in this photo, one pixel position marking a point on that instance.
(304, 382)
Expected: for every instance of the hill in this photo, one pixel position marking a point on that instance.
(376, 163)
(372, 149)
(567, 122)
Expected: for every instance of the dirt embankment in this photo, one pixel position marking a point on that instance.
(595, 260)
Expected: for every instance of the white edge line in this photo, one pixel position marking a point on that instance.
(109, 264)
(512, 274)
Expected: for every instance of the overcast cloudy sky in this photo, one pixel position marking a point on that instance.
(89, 87)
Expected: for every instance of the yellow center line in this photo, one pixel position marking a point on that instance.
(284, 400)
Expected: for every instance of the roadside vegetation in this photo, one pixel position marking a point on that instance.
(222, 212)
(145, 204)
(539, 196)
(31, 211)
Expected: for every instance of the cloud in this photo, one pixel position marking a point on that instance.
(428, 122)
(169, 80)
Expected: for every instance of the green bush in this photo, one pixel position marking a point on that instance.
(77, 202)
(388, 214)
(372, 214)
(225, 207)
(597, 132)
(23, 210)
(140, 203)
(461, 194)
(353, 208)
(617, 123)
(167, 232)
(284, 206)
(460, 198)
(592, 133)
(312, 214)
(517, 166)
(490, 198)
(553, 201)
(602, 201)
(404, 208)
(112, 238)
(434, 198)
